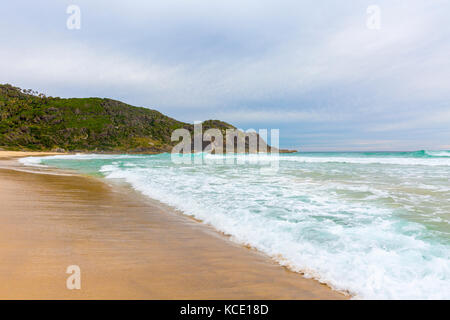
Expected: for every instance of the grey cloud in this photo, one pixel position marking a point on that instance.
(300, 65)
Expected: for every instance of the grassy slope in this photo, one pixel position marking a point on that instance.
(35, 122)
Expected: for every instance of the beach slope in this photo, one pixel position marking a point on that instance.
(127, 247)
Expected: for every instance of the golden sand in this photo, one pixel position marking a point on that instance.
(20, 154)
(127, 246)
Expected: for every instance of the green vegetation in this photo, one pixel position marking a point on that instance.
(32, 121)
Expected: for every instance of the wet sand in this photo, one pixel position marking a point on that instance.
(127, 246)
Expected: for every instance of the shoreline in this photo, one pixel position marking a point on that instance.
(127, 246)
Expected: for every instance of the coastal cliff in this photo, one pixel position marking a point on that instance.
(36, 122)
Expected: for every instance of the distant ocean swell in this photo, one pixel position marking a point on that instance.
(376, 225)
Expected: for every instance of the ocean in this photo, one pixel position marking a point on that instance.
(375, 225)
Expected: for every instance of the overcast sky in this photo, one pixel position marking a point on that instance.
(313, 69)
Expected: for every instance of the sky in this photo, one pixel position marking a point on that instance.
(331, 75)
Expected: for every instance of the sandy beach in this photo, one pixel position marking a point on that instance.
(127, 246)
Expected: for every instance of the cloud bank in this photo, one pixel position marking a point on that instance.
(313, 70)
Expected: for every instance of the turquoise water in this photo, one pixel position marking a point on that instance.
(376, 225)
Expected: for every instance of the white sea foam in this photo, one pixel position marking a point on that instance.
(32, 161)
(351, 246)
(438, 153)
(360, 227)
(37, 161)
(355, 160)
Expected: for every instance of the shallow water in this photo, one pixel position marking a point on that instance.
(374, 224)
